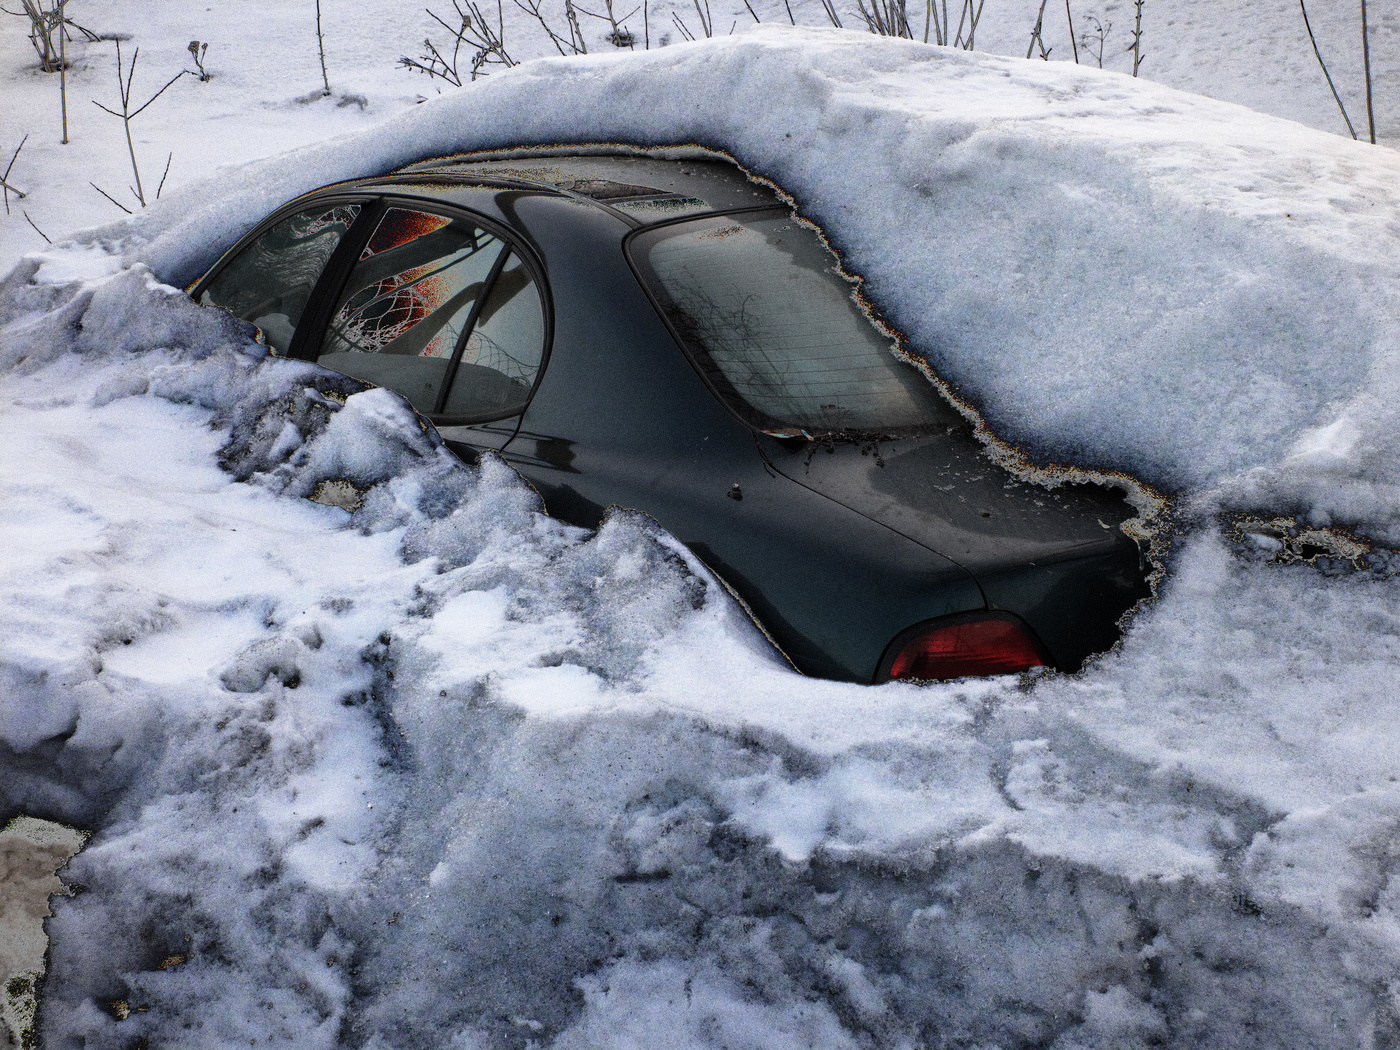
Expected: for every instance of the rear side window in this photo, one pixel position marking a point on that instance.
(756, 300)
(438, 309)
(269, 282)
(503, 352)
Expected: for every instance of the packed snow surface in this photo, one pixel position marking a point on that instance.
(444, 772)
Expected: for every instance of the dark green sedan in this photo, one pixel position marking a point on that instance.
(666, 335)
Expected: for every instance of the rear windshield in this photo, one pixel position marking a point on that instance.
(758, 303)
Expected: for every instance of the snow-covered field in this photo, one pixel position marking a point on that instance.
(444, 772)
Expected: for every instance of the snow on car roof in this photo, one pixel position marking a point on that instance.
(696, 176)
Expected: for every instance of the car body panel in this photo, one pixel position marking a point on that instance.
(1034, 550)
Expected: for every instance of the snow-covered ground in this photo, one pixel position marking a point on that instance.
(443, 772)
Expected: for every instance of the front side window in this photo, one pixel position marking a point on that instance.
(756, 300)
(269, 282)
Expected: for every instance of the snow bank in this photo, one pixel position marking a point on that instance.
(1079, 253)
(442, 772)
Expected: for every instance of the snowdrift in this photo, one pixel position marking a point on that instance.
(440, 771)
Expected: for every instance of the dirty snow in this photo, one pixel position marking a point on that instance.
(443, 772)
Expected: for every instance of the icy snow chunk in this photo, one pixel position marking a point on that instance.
(638, 1007)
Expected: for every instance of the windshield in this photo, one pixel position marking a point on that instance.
(758, 303)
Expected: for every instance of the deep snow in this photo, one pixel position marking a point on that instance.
(442, 771)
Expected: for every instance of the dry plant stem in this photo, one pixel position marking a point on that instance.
(63, 72)
(1316, 51)
(752, 11)
(682, 27)
(532, 8)
(321, 46)
(41, 29)
(1072, 43)
(968, 43)
(9, 190)
(1137, 36)
(1035, 34)
(886, 17)
(646, 26)
(5, 179)
(168, 158)
(580, 45)
(40, 232)
(937, 19)
(789, 11)
(473, 30)
(128, 114)
(114, 200)
(831, 14)
(1366, 59)
(197, 52)
(1093, 43)
(620, 36)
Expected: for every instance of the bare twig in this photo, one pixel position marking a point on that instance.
(487, 44)
(968, 43)
(46, 24)
(127, 114)
(685, 32)
(1035, 34)
(197, 51)
(575, 33)
(1094, 41)
(1366, 59)
(114, 200)
(168, 158)
(1072, 43)
(1316, 51)
(5, 179)
(40, 232)
(620, 35)
(1136, 46)
(532, 8)
(63, 71)
(49, 33)
(321, 46)
(886, 17)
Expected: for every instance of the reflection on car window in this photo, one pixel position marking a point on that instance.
(502, 354)
(408, 302)
(269, 282)
(759, 304)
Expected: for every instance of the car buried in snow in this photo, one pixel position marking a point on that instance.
(665, 335)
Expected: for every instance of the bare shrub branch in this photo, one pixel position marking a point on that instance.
(9, 187)
(1307, 24)
(40, 232)
(127, 114)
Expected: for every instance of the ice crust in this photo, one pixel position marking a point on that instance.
(440, 771)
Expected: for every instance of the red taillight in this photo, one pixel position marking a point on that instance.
(966, 646)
